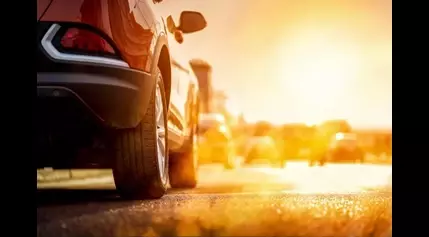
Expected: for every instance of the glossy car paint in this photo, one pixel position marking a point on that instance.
(42, 5)
(140, 34)
(131, 24)
(184, 92)
(184, 95)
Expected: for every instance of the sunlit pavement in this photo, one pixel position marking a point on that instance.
(255, 200)
(295, 177)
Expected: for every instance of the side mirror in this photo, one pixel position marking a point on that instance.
(171, 26)
(191, 22)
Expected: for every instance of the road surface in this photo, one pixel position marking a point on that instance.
(335, 200)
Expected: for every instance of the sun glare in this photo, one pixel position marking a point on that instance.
(317, 69)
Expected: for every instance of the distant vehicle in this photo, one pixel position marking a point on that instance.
(323, 134)
(331, 127)
(343, 148)
(215, 140)
(261, 144)
(263, 147)
(106, 81)
(296, 141)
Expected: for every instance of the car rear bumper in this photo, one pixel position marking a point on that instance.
(108, 88)
(113, 99)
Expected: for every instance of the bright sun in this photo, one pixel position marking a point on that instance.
(317, 69)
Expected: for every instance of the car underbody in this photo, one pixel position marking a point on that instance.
(68, 136)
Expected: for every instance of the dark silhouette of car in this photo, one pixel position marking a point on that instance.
(343, 148)
(105, 80)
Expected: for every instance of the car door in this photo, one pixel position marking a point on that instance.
(179, 93)
(187, 99)
(153, 21)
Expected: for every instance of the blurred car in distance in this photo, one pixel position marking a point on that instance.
(343, 148)
(215, 143)
(261, 144)
(295, 141)
(106, 82)
(263, 147)
(322, 137)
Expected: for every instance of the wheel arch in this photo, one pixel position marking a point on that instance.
(162, 60)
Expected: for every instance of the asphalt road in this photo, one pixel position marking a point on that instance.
(335, 200)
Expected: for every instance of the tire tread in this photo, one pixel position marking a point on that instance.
(136, 171)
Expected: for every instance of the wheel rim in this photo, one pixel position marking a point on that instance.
(160, 132)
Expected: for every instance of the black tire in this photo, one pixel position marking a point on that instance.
(183, 167)
(136, 171)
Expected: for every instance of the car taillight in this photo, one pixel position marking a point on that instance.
(84, 41)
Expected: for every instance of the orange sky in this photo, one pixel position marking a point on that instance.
(298, 60)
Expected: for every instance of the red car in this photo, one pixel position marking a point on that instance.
(104, 80)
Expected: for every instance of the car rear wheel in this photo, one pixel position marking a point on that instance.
(140, 170)
(183, 166)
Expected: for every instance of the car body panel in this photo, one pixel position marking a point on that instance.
(139, 33)
(132, 27)
(42, 5)
(129, 97)
(183, 103)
